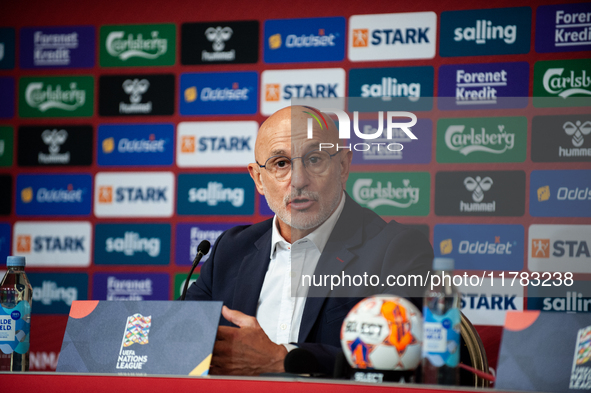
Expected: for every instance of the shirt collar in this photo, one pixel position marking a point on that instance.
(319, 236)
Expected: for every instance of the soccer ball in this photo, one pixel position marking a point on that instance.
(383, 333)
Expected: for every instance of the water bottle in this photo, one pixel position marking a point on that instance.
(16, 295)
(441, 327)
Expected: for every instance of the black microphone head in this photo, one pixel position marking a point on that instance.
(203, 247)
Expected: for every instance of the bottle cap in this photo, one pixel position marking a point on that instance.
(443, 264)
(15, 261)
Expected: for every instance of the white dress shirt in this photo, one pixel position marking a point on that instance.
(278, 312)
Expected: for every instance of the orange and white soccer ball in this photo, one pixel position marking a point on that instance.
(383, 333)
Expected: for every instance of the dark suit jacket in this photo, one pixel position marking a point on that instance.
(361, 242)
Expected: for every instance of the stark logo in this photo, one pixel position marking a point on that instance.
(478, 185)
(540, 248)
(105, 194)
(360, 38)
(188, 144)
(23, 243)
(272, 92)
(577, 131)
(218, 36)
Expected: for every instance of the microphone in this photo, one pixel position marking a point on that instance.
(202, 250)
(301, 361)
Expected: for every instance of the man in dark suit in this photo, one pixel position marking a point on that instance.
(319, 230)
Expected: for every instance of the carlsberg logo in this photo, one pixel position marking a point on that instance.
(565, 85)
(43, 97)
(122, 47)
(474, 141)
(378, 194)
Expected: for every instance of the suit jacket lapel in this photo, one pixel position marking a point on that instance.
(347, 233)
(251, 276)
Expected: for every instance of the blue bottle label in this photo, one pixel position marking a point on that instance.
(14, 328)
(441, 337)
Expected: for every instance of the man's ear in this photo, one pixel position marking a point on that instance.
(255, 173)
(346, 167)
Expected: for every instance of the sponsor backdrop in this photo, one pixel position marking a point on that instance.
(125, 131)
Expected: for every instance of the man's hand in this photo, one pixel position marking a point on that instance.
(245, 350)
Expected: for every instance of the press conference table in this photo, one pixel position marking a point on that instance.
(89, 383)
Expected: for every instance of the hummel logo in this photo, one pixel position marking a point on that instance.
(54, 139)
(577, 131)
(218, 36)
(478, 185)
(135, 88)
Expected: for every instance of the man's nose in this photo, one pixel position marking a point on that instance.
(299, 174)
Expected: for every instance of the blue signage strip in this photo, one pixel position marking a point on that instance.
(497, 31)
(560, 193)
(219, 93)
(215, 194)
(136, 144)
(53, 293)
(304, 40)
(53, 195)
(132, 244)
(480, 247)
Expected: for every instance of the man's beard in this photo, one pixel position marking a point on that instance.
(300, 219)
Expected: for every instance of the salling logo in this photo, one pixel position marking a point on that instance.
(390, 87)
(135, 88)
(565, 86)
(466, 143)
(478, 87)
(136, 331)
(1, 51)
(216, 193)
(54, 139)
(303, 41)
(50, 292)
(382, 148)
(379, 195)
(478, 186)
(46, 97)
(127, 47)
(54, 195)
(53, 49)
(484, 30)
(496, 247)
(131, 242)
(218, 36)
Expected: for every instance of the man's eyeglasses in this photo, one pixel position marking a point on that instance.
(315, 162)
